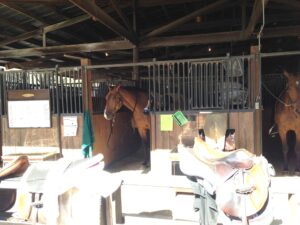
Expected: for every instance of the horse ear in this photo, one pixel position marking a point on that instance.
(118, 87)
(286, 74)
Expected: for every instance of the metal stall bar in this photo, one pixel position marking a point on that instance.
(1, 94)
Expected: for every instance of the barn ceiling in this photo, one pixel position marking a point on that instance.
(45, 33)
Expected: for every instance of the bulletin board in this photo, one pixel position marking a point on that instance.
(28, 109)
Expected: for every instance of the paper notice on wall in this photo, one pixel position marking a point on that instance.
(166, 122)
(70, 126)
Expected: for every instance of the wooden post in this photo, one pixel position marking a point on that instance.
(87, 86)
(1, 162)
(135, 69)
(135, 51)
(255, 77)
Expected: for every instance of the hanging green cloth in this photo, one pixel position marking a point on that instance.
(88, 137)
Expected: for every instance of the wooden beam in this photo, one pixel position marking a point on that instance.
(21, 37)
(206, 9)
(23, 11)
(66, 23)
(90, 47)
(255, 16)
(121, 14)
(50, 2)
(292, 3)
(39, 63)
(191, 39)
(220, 37)
(92, 9)
(152, 3)
(46, 29)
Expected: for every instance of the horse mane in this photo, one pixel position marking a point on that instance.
(134, 89)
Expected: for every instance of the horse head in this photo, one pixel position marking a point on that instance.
(114, 102)
(293, 87)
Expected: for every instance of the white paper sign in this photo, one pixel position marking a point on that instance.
(32, 113)
(70, 126)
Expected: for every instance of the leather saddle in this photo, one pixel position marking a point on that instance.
(13, 169)
(49, 180)
(239, 180)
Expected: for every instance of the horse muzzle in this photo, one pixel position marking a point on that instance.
(108, 115)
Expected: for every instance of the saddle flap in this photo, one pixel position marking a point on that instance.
(235, 203)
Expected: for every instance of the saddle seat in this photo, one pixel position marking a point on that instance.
(237, 159)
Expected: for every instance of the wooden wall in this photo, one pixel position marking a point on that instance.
(123, 141)
(123, 138)
(23, 140)
(242, 122)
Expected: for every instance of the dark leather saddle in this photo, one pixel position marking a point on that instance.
(239, 179)
(13, 169)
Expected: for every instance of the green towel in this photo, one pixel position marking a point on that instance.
(88, 137)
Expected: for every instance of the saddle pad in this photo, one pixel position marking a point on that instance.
(34, 179)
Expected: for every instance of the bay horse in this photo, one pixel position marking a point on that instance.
(287, 117)
(135, 100)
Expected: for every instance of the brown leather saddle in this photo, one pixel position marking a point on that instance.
(239, 180)
(13, 169)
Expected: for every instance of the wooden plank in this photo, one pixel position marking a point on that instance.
(22, 95)
(18, 138)
(256, 75)
(242, 122)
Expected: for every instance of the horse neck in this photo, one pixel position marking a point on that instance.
(129, 99)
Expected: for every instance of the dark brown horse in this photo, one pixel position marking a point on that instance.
(287, 117)
(135, 100)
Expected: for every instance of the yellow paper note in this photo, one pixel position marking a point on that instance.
(166, 122)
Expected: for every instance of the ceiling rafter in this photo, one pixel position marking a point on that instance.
(255, 16)
(154, 42)
(206, 9)
(92, 9)
(30, 15)
(19, 9)
(90, 47)
(121, 14)
(220, 37)
(45, 29)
